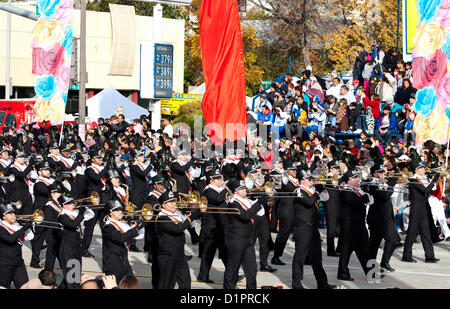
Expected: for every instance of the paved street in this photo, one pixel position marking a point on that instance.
(412, 276)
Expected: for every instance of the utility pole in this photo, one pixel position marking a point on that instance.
(82, 90)
(8, 55)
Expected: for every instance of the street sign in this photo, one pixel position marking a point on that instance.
(163, 72)
(266, 82)
(157, 61)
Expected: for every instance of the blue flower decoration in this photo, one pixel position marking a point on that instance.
(446, 47)
(47, 8)
(425, 101)
(64, 97)
(66, 42)
(447, 112)
(45, 86)
(428, 9)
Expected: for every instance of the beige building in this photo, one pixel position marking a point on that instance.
(99, 49)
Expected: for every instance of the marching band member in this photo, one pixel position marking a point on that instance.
(5, 161)
(380, 218)
(66, 162)
(51, 211)
(53, 156)
(306, 232)
(41, 191)
(71, 244)
(170, 226)
(116, 233)
(153, 199)
(354, 234)
(437, 208)
(21, 189)
(419, 190)
(285, 212)
(139, 172)
(332, 207)
(212, 231)
(261, 222)
(180, 172)
(12, 236)
(239, 242)
(95, 180)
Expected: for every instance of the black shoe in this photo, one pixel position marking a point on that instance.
(207, 280)
(345, 278)
(326, 287)
(410, 260)
(135, 249)
(44, 246)
(188, 257)
(387, 267)
(399, 244)
(36, 265)
(240, 278)
(149, 258)
(448, 238)
(267, 268)
(334, 254)
(277, 261)
(432, 260)
(87, 254)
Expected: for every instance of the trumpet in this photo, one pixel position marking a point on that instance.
(38, 218)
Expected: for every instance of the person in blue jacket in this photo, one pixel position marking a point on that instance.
(387, 125)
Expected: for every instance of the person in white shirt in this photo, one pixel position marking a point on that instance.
(167, 126)
(346, 94)
(336, 88)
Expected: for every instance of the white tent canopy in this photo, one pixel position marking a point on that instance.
(105, 103)
(202, 88)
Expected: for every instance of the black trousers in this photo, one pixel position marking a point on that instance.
(36, 243)
(354, 238)
(51, 254)
(173, 268)
(209, 245)
(307, 244)
(285, 216)
(89, 228)
(240, 252)
(118, 266)
(16, 274)
(69, 282)
(418, 224)
(262, 234)
(332, 227)
(378, 233)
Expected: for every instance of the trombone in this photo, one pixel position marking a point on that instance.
(148, 214)
(6, 179)
(194, 201)
(38, 218)
(94, 199)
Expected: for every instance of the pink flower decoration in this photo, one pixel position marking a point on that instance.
(64, 14)
(443, 91)
(443, 14)
(429, 72)
(47, 62)
(63, 76)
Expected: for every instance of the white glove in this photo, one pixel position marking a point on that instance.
(324, 196)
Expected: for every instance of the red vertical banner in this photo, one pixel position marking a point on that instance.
(224, 105)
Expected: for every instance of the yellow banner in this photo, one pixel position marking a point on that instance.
(171, 106)
(411, 20)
